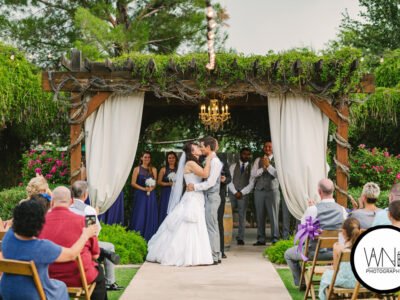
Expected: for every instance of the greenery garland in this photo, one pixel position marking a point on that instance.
(337, 70)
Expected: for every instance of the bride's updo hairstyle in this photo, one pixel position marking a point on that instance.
(188, 151)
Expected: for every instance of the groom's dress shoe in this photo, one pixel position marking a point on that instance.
(219, 261)
(258, 243)
(215, 263)
(223, 255)
(240, 242)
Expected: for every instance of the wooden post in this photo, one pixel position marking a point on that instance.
(76, 129)
(342, 155)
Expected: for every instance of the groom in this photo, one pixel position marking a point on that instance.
(211, 193)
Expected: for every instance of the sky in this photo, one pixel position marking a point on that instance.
(256, 26)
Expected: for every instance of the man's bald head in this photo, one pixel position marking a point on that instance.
(326, 188)
(61, 196)
(394, 192)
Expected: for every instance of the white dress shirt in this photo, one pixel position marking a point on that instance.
(248, 188)
(257, 172)
(312, 211)
(89, 210)
(215, 173)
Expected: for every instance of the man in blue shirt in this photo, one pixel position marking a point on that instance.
(381, 217)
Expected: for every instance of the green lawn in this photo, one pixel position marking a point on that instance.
(287, 279)
(123, 277)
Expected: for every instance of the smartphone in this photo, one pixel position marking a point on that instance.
(90, 220)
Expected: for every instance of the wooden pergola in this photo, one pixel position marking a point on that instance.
(84, 78)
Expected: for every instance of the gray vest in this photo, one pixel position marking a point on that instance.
(330, 216)
(266, 181)
(241, 180)
(215, 188)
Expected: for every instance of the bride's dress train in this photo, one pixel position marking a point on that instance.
(182, 239)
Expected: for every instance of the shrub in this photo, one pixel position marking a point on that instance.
(50, 163)
(129, 245)
(276, 252)
(9, 198)
(375, 165)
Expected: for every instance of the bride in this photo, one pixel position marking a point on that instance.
(182, 239)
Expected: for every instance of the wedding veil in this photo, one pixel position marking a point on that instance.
(177, 188)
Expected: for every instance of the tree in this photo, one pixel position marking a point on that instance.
(105, 27)
(379, 29)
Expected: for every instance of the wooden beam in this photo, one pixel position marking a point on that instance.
(342, 155)
(367, 84)
(326, 108)
(76, 152)
(96, 101)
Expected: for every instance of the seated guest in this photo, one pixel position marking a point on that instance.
(394, 213)
(107, 250)
(21, 243)
(369, 197)
(345, 278)
(62, 227)
(382, 217)
(330, 215)
(44, 199)
(37, 185)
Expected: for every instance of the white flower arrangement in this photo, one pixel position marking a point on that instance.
(171, 177)
(150, 182)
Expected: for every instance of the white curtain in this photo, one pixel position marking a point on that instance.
(299, 133)
(112, 135)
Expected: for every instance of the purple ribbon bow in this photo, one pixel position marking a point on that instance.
(310, 229)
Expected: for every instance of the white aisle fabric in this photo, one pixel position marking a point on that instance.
(299, 134)
(112, 135)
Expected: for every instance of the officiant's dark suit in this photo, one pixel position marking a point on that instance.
(222, 192)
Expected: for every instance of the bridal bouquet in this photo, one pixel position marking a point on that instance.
(171, 177)
(150, 182)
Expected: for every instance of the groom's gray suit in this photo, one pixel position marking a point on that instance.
(213, 200)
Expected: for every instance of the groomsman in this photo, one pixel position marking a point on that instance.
(266, 194)
(240, 188)
(225, 180)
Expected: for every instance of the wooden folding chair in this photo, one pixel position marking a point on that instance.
(2, 234)
(24, 268)
(84, 291)
(305, 264)
(334, 292)
(318, 267)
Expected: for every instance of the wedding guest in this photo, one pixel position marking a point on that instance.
(382, 217)
(240, 188)
(21, 242)
(63, 227)
(369, 196)
(80, 192)
(394, 213)
(224, 181)
(166, 180)
(330, 215)
(266, 194)
(37, 185)
(44, 199)
(145, 211)
(345, 278)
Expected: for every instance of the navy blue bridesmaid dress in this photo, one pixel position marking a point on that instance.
(115, 214)
(145, 212)
(165, 192)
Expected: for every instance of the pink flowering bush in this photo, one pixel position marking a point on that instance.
(52, 164)
(377, 165)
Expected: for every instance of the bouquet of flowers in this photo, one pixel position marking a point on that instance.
(150, 182)
(171, 177)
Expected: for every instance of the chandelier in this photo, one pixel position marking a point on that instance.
(214, 115)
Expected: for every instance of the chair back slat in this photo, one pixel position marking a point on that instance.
(2, 234)
(330, 233)
(23, 268)
(327, 242)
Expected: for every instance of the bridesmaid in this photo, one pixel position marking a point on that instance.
(145, 211)
(166, 183)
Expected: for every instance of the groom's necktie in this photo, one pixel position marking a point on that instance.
(242, 168)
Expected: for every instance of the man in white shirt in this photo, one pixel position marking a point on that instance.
(330, 215)
(266, 194)
(211, 188)
(107, 250)
(240, 188)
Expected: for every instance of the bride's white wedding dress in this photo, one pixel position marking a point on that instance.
(182, 239)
